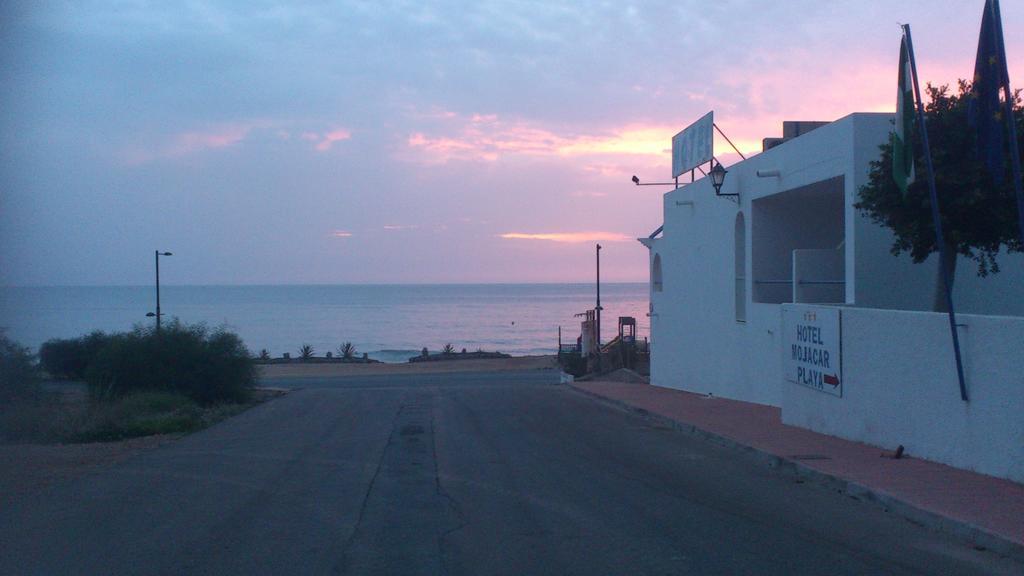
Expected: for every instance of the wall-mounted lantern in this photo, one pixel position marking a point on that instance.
(717, 176)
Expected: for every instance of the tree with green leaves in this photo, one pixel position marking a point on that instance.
(979, 217)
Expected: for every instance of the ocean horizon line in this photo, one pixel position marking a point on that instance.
(513, 318)
(322, 284)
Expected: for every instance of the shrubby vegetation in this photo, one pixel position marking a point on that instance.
(140, 383)
(19, 376)
(143, 414)
(69, 358)
(206, 366)
(347, 351)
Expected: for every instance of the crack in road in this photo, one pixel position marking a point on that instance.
(350, 541)
(453, 504)
(407, 473)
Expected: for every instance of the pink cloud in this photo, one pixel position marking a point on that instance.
(341, 234)
(569, 237)
(443, 149)
(328, 139)
(750, 105)
(324, 141)
(489, 138)
(222, 137)
(190, 142)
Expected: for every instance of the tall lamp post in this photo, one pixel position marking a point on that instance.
(598, 309)
(158, 255)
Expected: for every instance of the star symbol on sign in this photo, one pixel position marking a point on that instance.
(992, 60)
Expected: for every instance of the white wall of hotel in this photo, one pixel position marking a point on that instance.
(723, 268)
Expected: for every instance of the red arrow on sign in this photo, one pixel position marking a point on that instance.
(832, 379)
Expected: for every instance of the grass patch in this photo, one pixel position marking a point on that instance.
(137, 414)
(54, 418)
(140, 383)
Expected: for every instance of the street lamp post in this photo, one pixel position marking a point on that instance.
(158, 254)
(597, 309)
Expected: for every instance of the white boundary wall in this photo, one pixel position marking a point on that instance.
(900, 387)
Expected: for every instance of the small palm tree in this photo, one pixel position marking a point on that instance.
(448, 349)
(264, 354)
(306, 352)
(347, 351)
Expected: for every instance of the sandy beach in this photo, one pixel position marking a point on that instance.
(300, 370)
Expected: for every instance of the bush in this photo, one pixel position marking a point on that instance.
(205, 366)
(347, 351)
(136, 414)
(19, 376)
(69, 358)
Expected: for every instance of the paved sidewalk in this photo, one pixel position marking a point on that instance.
(987, 510)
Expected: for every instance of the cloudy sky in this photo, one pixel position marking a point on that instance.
(352, 142)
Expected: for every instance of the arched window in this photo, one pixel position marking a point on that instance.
(656, 273)
(740, 236)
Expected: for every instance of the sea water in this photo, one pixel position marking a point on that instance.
(389, 322)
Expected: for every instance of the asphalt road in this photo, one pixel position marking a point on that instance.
(499, 473)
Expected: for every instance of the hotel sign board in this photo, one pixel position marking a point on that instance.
(694, 145)
(812, 348)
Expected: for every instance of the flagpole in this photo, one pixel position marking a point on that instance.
(936, 215)
(1011, 123)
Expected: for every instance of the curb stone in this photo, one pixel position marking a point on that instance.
(974, 535)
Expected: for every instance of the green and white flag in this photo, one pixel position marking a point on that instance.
(902, 145)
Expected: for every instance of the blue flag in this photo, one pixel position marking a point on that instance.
(984, 111)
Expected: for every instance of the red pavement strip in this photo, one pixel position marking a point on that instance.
(987, 510)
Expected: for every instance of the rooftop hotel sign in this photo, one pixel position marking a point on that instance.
(693, 146)
(812, 348)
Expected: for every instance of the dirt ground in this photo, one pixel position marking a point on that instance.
(28, 468)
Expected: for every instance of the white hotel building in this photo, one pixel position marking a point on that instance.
(724, 269)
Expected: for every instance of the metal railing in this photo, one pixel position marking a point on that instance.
(790, 282)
